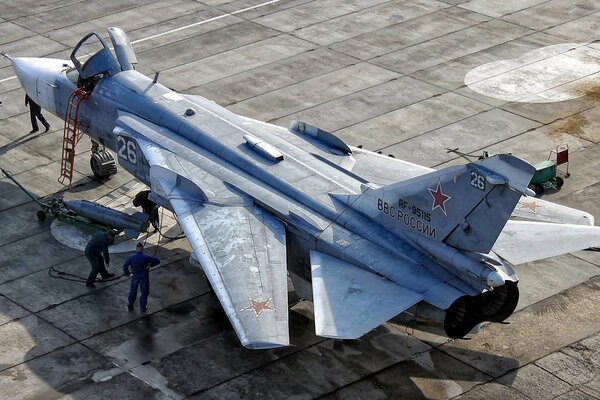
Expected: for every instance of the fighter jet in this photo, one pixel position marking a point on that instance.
(365, 237)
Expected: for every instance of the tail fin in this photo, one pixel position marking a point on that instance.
(464, 206)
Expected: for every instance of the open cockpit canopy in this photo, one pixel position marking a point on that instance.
(92, 56)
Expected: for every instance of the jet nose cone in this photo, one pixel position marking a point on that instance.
(26, 72)
(28, 69)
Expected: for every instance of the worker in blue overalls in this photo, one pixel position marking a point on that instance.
(136, 267)
(97, 254)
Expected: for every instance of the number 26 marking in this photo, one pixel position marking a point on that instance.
(127, 149)
(477, 181)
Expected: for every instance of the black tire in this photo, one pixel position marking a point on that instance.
(96, 167)
(103, 164)
(41, 215)
(559, 182)
(538, 189)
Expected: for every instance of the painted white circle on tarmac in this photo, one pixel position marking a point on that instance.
(77, 238)
(548, 74)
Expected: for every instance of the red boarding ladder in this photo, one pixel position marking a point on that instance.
(71, 135)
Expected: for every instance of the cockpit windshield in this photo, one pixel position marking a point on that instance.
(92, 57)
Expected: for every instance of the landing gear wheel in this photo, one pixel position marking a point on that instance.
(559, 182)
(41, 215)
(103, 164)
(537, 188)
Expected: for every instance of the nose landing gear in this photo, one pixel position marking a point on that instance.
(102, 161)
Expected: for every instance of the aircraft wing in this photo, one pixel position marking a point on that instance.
(240, 248)
(541, 210)
(376, 168)
(525, 241)
(383, 170)
(350, 301)
(242, 252)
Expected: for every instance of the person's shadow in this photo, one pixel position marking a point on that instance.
(20, 141)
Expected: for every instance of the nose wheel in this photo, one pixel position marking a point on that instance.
(102, 162)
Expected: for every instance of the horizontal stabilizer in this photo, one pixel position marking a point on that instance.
(524, 241)
(350, 301)
(542, 210)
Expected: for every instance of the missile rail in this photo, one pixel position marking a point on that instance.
(56, 207)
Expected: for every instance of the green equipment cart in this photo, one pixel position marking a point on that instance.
(545, 177)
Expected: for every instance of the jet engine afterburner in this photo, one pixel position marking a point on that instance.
(464, 314)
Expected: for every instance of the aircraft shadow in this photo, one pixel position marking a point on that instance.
(161, 348)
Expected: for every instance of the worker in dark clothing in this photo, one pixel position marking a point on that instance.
(136, 267)
(96, 252)
(35, 111)
(141, 200)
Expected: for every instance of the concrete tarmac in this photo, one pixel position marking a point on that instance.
(410, 78)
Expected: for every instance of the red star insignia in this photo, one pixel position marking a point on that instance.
(439, 198)
(533, 206)
(258, 306)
